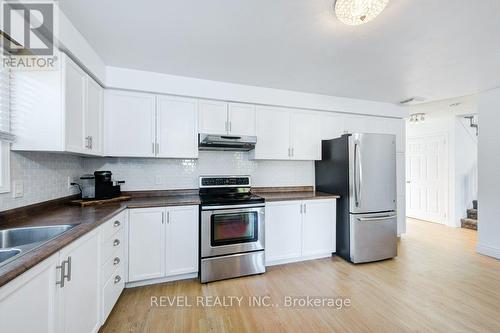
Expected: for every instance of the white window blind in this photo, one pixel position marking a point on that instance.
(5, 132)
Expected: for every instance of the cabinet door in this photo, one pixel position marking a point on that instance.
(213, 117)
(182, 240)
(27, 304)
(79, 307)
(74, 106)
(93, 118)
(305, 136)
(332, 126)
(318, 227)
(273, 134)
(283, 231)
(357, 124)
(241, 119)
(177, 127)
(146, 244)
(129, 124)
(398, 128)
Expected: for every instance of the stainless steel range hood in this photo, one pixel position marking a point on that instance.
(226, 142)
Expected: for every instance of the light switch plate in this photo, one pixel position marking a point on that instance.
(18, 189)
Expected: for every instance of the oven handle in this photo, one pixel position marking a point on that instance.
(261, 205)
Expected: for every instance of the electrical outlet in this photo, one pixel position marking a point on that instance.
(18, 189)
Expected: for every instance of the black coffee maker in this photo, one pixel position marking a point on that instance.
(105, 187)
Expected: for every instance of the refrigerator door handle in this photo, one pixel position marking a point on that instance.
(357, 173)
(360, 168)
(380, 218)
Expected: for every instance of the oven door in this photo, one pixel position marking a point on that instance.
(231, 229)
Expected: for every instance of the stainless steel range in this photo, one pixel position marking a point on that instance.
(231, 228)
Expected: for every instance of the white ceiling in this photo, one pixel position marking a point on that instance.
(431, 48)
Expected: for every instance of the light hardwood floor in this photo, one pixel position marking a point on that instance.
(438, 283)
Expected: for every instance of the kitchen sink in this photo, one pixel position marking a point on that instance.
(17, 241)
(8, 253)
(23, 236)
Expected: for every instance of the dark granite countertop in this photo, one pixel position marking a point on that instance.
(299, 195)
(85, 218)
(88, 218)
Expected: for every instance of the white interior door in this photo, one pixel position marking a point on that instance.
(427, 178)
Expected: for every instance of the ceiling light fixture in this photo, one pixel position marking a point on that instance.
(417, 118)
(356, 12)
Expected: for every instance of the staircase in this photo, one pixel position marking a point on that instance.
(471, 221)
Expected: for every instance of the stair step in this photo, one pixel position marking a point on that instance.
(472, 214)
(469, 224)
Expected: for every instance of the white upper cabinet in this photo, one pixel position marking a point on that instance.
(146, 125)
(284, 134)
(241, 119)
(176, 127)
(332, 126)
(129, 124)
(57, 111)
(213, 117)
(273, 134)
(75, 87)
(305, 136)
(226, 118)
(94, 118)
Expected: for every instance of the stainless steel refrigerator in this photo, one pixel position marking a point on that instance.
(361, 168)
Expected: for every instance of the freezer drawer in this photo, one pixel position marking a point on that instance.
(373, 237)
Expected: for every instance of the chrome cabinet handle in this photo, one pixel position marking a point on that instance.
(292, 152)
(116, 261)
(62, 268)
(168, 217)
(230, 126)
(117, 279)
(225, 126)
(91, 142)
(116, 242)
(162, 217)
(157, 148)
(305, 211)
(153, 147)
(116, 224)
(68, 262)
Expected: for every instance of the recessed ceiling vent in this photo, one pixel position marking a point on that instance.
(412, 100)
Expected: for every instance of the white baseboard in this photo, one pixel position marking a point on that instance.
(488, 251)
(161, 280)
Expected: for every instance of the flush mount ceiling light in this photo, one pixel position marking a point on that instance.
(356, 12)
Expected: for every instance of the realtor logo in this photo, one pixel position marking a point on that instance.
(28, 34)
(30, 27)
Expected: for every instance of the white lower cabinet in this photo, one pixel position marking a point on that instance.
(318, 227)
(28, 303)
(162, 242)
(79, 297)
(299, 230)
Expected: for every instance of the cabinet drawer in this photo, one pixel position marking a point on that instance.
(113, 225)
(111, 291)
(114, 262)
(112, 244)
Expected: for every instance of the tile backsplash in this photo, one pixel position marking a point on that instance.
(159, 174)
(45, 175)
